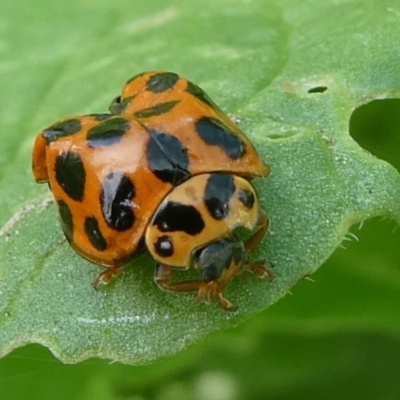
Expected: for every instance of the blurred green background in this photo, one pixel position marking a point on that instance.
(335, 338)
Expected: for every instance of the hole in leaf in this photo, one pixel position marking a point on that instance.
(318, 89)
(376, 128)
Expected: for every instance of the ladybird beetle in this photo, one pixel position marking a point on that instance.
(164, 170)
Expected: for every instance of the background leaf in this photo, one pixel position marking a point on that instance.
(292, 76)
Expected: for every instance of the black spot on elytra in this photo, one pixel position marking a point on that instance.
(94, 234)
(70, 174)
(108, 132)
(161, 82)
(200, 94)
(66, 218)
(167, 157)
(217, 194)
(118, 105)
(164, 247)
(179, 217)
(158, 109)
(115, 106)
(215, 133)
(135, 77)
(116, 201)
(247, 198)
(62, 129)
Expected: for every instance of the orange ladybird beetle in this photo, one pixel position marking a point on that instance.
(165, 170)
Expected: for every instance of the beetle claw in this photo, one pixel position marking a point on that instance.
(105, 277)
(209, 291)
(259, 268)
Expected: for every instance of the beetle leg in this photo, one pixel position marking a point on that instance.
(206, 291)
(258, 267)
(253, 241)
(105, 277)
(213, 291)
(164, 275)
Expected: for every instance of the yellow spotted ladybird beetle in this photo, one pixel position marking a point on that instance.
(164, 170)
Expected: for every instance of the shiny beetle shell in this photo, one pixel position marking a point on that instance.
(114, 175)
(198, 211)
(164, 102)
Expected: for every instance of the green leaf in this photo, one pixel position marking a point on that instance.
(335, 338)
(292, 73)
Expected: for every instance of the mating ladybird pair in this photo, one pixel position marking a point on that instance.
(165, 170)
